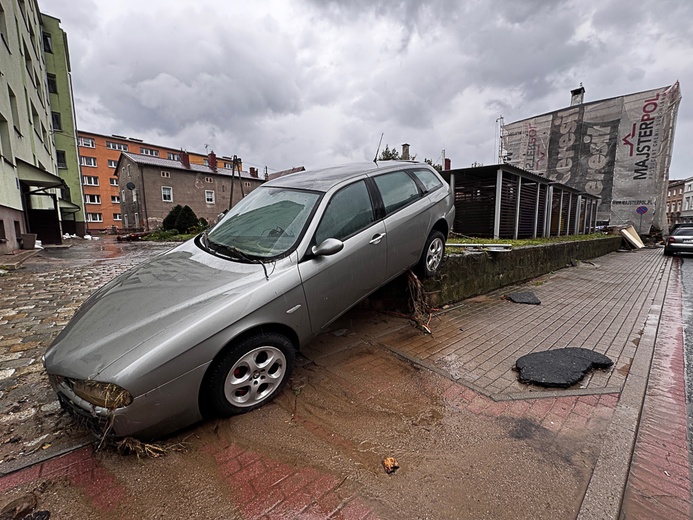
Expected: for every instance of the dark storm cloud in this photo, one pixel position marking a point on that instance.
(313, 82)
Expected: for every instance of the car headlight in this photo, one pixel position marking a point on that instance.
(106, 395)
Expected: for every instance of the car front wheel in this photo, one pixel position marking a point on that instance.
(248, 375)
(432, 255)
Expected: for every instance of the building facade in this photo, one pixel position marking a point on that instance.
(674, 201)
(59, 85)
(99, 155)
(30, 188)
(686, 214)
(618, 149)
(150, 187)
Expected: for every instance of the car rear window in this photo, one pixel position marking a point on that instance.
(397, 189)
(428, 179)
(684, 231)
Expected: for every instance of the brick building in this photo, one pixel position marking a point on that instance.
(99, 155)
(149, 187)
(675, 201)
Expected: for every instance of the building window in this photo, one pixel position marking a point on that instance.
(88, 161)
(115, 199)
(173, 156)
(52, 83)
(166, 174)
(117, 216)
(90, 180)
(116, 146)
(112, 163)
(149, 151)
(209, 179)
(209, 196)
(47, 42)
(15, 110)
(113, 181)
(62, 162)
(206, 162)
(167, 194)
(94, 217)
(92, 199)
(57, 121)
(228, 165)
(246, 184)
(87, 142)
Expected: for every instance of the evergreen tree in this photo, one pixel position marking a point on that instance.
(186, 220)
(170, 220)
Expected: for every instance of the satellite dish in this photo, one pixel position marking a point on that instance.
(130, 185)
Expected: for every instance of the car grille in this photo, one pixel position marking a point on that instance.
(96, 424)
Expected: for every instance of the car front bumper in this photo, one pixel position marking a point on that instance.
(166, 409)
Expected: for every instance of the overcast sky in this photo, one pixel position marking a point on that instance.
(316, 82)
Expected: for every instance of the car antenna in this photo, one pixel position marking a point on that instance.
(375, 159)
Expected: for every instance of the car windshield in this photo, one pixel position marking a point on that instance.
(265, 224)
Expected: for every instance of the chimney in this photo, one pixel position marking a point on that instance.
(446, 167)
(185, 159)
(212, 161)
(253, 172)
(577, 96)
(405, 152)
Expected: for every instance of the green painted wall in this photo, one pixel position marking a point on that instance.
(58, 64)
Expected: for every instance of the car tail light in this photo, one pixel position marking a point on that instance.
(672, 240)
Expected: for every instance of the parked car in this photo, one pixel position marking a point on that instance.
(680, 239)
(211, 327)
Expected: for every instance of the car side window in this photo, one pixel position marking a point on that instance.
(397, 189)
(349, 211)
(428, 179)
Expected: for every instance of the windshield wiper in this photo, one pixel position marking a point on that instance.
(232, 253)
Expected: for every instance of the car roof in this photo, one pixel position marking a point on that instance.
(324, 178)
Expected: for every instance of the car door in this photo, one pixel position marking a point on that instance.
(407, 220)
(335, 283)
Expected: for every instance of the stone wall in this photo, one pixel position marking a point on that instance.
(471, 274)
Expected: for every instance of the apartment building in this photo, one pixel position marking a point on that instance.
(150, 187)
(30, 188)
(686, 214)
(675, 200)
(59, 85)
(99, 155)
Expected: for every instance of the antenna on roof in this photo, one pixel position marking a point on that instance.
(375, 159)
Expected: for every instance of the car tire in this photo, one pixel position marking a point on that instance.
(668, 252)
(432, 256)
(248, 375)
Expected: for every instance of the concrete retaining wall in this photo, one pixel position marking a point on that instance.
(471, 274)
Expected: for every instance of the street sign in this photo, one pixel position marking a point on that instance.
(641, 210)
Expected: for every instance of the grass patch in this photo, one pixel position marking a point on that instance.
(169, 236)
(526, 241)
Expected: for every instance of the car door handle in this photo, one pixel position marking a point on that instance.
(377, 238)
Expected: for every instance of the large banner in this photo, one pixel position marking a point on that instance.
(618, 149)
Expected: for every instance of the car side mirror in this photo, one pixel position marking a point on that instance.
(328, 247)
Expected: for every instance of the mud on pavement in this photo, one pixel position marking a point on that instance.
(314, 452)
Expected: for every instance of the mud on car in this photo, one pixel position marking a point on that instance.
(211, 327)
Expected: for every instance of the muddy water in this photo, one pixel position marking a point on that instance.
(341, 417)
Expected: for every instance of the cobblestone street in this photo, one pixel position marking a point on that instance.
(36, 302)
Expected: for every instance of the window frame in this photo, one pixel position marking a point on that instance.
(170, 188)
(207, 201)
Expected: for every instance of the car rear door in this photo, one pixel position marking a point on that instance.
(335, 283)
(407, 220)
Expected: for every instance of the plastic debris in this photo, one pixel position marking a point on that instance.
(390, 464)
(523, 297)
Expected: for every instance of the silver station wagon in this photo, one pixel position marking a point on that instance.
(211, 327)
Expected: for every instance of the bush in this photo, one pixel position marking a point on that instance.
(170, 220)
(186, 220)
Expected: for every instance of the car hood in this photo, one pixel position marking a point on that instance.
(168, 295)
